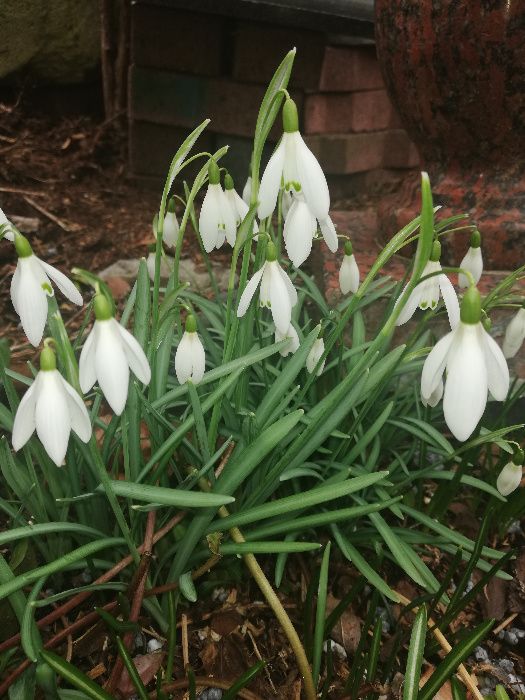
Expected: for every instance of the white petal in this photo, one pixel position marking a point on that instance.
(509, 478)
(271, 181)
(515, 334)
(410, 306)
(248, 292)
(209, 217)
(264, 290)
(286, 203)
(184, 358)
(111, 365)
(80, 422)
(247, 191)
(497, 369)
(86, 366)
(298, 233)
(435, 365)
(312, 179)
(429, 289)
(466, 387)
(24, 424)
(199, 359)
(170, 230)
(435, 397)
(8, 235)
(52, 417)
(292, 292)
(136, 357)
(329, 234)
(279, 298)
(451, 300)
(473, 262)
(349, 275)
(314, 356)
(293, 340)
(30, 299)
(65, 285)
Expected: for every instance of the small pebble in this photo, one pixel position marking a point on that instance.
(86, 576)
(514, 528)
(516, 683)
(506, 665)
(511, 637)
(219, 594)
(336, 648)
(153, 645)
(481, 654)
(211, 694)
(139, 640)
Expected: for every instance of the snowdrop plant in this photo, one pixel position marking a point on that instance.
(472, 262)
(514, 334)
(190, 358)
(300, 228)
(349, 272)
(511, 475)
(217, 217)
(170, 231)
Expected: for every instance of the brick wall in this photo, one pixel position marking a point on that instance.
(187, 66)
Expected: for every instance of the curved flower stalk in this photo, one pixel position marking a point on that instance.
(190, 358)
(237, 204)
(300, 228)
(217, 218)
(511, 475)
(295, 164)
(53, 408)
(426, 294)
(31, 286)
(314, 356)
(277, 291)
(109, 352)
(472, 262)
(349, 272)
(293, 345)
(514, 334)
(474, 366)
(170, 229)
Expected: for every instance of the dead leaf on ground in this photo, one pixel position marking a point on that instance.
(347, 630)
(147, 666)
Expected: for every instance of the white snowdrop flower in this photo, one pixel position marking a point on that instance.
(8, 233)
(291, 335)
(300, 228)
(515, 334)
(190, 358)
(349, 272)
(295, 164)
(30, 287)
(237, 204)
(435, 397)
(426, 294)
(474, 366)
(247, 191)
(217, 218)
(277, 291)
(170, 229)
(53, 408)
(109, 352)
(473, 261)
(314, 356)
(509, 478)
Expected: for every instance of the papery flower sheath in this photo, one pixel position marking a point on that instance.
(190, 358)
(514, 334)
(295, 164)
(314, 356)
(237, 204)
(53, 408)
(277, 291)
(300, 228)
(426, 294)
(110, 351)
(473, 261)
(293, 340)
(509, 478)
(170, 230)
(474, 365)
(30, 287)
(349, 272)
(217, 218)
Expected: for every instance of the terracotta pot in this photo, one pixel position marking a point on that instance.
(455, 70)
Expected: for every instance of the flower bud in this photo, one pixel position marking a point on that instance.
(349, 250)
(228, 182)
(509, 478)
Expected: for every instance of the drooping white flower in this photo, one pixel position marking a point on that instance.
(217, 218)
(53, 408)
(277, 291)
(190, 358)
(509, 478)
(237, 204)
(170, 229)
(314, 356)
(300, 228)
(514, 334)
(247, 191)
(110, 351)
(30, 287)
(8, 233)
(291, 335)
(349, 272)
(426, 294)
(473, 261)
(294, 163)
(474, 366)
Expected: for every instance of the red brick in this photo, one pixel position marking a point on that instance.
(351, 112)
(341, 154)
(182, 100)
(175, 40)
(259, 48)
(348, 68)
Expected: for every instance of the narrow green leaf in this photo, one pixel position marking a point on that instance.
(75, 677)
(320, 613)
(169, 497)
(187, 587)
(415, 655)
